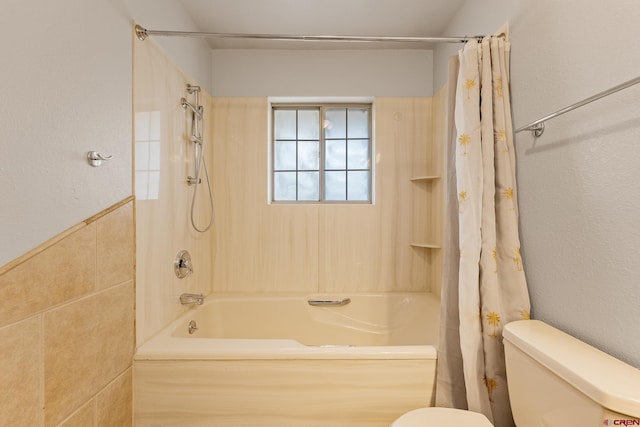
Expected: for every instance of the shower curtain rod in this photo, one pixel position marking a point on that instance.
(537, 127)
(142, 33)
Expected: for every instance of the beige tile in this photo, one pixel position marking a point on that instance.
(20, 360)
(87, 344)
(115, 402)
(84, 417)
(116, 327)
(54, 276)
(115, 247)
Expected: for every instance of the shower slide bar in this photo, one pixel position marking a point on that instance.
(537, 127)
(142, 33)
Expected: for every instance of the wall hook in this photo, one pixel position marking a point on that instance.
(95, 159)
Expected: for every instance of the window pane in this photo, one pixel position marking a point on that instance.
(335, 123)
(284, 186)
(358, 185)
(335, 186)
(142, 155)
(358, 123)
(284, 155)
(154, 126)
(309, 186)
(142, 185)
(320, 153)
(358, 154)
(154, 155)
(142, 125)
(308, 124)
(154, 185)
(308, 155)
(285, 124)
(335, 156)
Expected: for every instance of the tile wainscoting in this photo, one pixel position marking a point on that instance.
(67, 327)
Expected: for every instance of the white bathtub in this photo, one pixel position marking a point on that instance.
(265, 360)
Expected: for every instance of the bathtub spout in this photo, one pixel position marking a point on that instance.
(191, 299)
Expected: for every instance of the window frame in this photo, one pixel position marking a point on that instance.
(321, 107)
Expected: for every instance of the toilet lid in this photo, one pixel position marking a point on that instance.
(424, 417)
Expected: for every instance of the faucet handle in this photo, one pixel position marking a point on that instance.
(182, 264)
(185, 263)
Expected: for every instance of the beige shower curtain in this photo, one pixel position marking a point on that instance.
(484, 284)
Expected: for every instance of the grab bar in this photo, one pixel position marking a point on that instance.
(319, 302)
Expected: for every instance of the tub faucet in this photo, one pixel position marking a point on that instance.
(191, 299)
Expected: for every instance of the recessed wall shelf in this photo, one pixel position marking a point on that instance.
(425, 245)
(425, 178)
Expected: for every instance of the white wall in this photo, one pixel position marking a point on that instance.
(192, 54)
(65, 82)
(474, 18)
(579, 183)
(322, 73)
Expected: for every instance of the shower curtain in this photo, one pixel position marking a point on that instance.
(484, 285)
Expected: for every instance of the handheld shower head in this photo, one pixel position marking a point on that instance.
(186, 104)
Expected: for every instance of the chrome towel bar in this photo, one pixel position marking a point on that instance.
(321, 302)
(537, 126)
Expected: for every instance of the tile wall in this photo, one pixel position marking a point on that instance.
(67, 327)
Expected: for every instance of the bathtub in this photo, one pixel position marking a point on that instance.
(275, 360)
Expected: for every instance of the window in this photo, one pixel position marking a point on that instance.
(321, 153)
(147, 155)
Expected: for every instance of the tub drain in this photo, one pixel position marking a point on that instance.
(193, 326)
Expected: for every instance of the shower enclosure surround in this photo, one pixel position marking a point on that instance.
(273, 249)
(164, 158)
(269, 360)
(255, 246)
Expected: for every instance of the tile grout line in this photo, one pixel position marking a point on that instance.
(97, 257)
(59, 237)
(41, 367)
(68, 302)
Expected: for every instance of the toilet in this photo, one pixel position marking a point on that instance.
(554, 380)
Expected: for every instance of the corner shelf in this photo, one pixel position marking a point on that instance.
(425, 178)
(418, 180)
(425, 245)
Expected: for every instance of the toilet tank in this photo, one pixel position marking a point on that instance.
(555, 379)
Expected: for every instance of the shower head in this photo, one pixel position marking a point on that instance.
(186, 104)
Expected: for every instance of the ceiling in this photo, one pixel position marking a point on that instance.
(413, 18)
